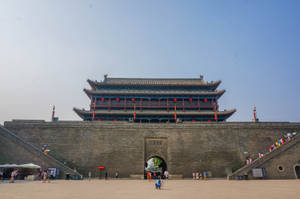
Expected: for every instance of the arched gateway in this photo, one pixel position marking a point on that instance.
(156, 155)
(156, 166)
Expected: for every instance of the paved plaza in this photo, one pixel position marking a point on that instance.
(140, 189)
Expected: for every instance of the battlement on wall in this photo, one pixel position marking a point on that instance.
(207, 146)
(14, 149)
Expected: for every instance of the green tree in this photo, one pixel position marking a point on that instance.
(157, 162)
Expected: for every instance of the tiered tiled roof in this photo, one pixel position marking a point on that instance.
(200, 100)
(154, 82)
(153, 92)
(155, 112)
(80, 112)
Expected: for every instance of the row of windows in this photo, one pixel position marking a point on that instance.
(148, 99)
(157, 88)
(145, 103)
(154, 117)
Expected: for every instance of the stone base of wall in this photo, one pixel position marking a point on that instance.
(125, 147)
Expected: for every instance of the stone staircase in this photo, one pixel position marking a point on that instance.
(39, 157)
(245, 170)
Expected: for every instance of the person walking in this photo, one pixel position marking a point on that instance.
(44, 176)
(1, 175)
(149, 176)
(197, 175)
(158, 184)
(12, 177)
(205, 175)
(166, 174)
(90, 175)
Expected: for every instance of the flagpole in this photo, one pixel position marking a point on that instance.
(216, 116)
(254, 113)
(134, 114)
(53, 112)
(175, 115)
(94, 109)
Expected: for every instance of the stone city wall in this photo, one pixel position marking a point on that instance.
(14, 150)
(125, 147)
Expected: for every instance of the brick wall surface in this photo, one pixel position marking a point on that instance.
(124, 147)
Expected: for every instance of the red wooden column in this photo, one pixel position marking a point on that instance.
(183, 104)
(198, 103)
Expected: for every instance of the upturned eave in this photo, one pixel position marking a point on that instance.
(90, 93)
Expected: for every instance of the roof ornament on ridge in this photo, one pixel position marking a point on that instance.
(105, 77)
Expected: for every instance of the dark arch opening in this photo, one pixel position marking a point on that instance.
(155, 166)
(297, 171)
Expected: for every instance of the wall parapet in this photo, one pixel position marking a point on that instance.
(96, 124)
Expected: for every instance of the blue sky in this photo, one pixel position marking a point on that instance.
(49, 48)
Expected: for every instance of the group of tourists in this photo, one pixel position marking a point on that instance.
(13, 176)
(46, 174)
(249, 160)
(45, 149)
(106, 175)
(1, 175)
(159, 182)
(286, 138)
(157, 175)
(199, 176)
(160, 176)
(281, 141)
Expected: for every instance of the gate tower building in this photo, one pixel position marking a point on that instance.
(154, 100)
